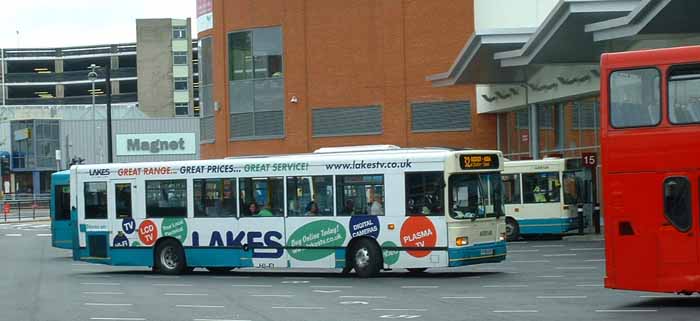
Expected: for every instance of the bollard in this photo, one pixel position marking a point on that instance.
(579, 212)
(19, 212)
(34, 210)
(596, 218)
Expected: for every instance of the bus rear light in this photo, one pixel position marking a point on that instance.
(391, 226)
(462, 241)
(516, 210)
(502, 237)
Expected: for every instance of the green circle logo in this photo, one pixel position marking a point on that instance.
(135, 244)
(325, 233)
(175, 227)
(390, 256)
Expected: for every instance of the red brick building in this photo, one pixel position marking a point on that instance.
(290, 76)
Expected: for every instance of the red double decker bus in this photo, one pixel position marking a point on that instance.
(650, 146)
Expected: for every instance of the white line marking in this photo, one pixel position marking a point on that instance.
(506, 286)
(273, 295)
(464, 297)
(252, 285)
(13, 234)
(532, 261)
(547, 246)
(217, 320)
(624, 311)
(186, 294)
(522, 251)
(595, 260)
(588, 249)
(109, 304)
(230, 277)
(658, 296)
(83, 264)
(515, 311)
(199, 306)
(562, 297)
(119, 319)
(420, 286)
(361, 297)
(576, 268)
(103, 293)
(90, 276)
(519, 242)
(303, 278)
(382, 309)
(590, 285)
(96, 283)
(332, 286)
(44, 234)
(161, 277)
(300, 308)
(550, 276)
(558, 255)
(171, 284)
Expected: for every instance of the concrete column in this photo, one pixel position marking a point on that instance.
(58, 65)
(561, 125)
(115, 87)
(534, 130)
(60, 91)
(36, 182)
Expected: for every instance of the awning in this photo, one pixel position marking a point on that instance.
(475, 63)
(562, 37)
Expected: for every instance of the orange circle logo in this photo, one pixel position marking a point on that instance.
(148, 232)
(418, 231)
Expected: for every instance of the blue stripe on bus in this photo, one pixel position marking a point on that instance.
(219, 257)
(340, 258)
(547, 225)
(480, 253)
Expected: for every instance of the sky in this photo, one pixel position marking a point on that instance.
(64, 23)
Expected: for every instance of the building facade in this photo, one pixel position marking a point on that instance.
(291, 76)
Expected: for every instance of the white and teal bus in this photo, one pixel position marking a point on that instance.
(541, 196)
(364, 208)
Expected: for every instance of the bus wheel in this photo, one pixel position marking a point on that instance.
(220, 269)
(170, 258)
(366, 258)
(417, 270)
(512, 230)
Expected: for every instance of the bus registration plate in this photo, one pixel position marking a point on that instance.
(486, 252)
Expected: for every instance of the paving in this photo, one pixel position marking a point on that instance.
(541, 280)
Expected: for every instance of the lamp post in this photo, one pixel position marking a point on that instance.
(92, 75)
(108, 93)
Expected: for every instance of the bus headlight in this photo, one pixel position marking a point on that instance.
(462, 241)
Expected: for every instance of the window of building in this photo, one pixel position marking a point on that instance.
(511, 188)
(522, 118)
(541, 187)
(215, 197)
(441, 116)
(179, 32)
(180, 58)
(683, 98)
(182, 109)
(207, 125)
(343, 121)
(95, 194)
(62, 202)
(574, 187)
(122, 199)
(261, 196)
(677, 208)
(545, 116)
(180, 83)
(360, 195)
(310, 196)
(585, 115)
(166, 198)
(425, 193)
(256, 83)
(635, 98)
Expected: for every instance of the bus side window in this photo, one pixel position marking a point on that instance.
(360, 195)
(425, 193)
(95, 194)
(683, 85)
(261, 196)
(310, 196)
(62, 200)
(511, 185)
(214, 197)
(166, 198)
(541, 187)
(635, 98)
(122, 199)
(677, 208)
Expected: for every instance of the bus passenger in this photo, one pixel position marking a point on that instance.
(266, 211)
(349, 208)
(312, 209)
(376, 208)
(252, 209)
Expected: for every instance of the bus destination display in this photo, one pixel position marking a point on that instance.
(488, 161)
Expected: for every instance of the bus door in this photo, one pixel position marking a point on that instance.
(677, 236)
(61, 225)
(120, 208)
(262, 220)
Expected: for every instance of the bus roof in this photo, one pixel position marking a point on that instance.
(650, 57)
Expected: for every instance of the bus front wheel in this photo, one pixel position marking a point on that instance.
(512, 229)
(170, 258)
(366, 258)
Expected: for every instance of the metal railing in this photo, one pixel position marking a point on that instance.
(24, 207)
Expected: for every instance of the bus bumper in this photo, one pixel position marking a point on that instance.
(548, 226)
(480, 253)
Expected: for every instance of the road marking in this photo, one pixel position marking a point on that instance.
(332, 286)
(44, 234)
(109, 304)
(383, 309)
(186, 294)
(576, 268)
(103, 293)
(589, 285)
(230, 277)
(658, 296)
(595, 260)
(518, 242)
(13, 234)
(625, 311)
(361, 297)
(119, 319)
(161, 277)
(505, 286)
(522, 251)
(326, 291)
(217, 320)
(199, 306)
(515, 311)
(550, 276)
(97, 283)
(464, 297)
(273, 295)
(420, 286)
(532, 261)
(558, 255)
(548, 246)
(353, 302)
(90, 276)
(252, 285)
(562, 297)
(303, 278)
(587, 249)
(299, 308)
(171, 284)
(296, 282)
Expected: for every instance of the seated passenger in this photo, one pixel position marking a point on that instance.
(312, 209)
(349, 208)
(266, 211)
(252, 209)
(376, 208)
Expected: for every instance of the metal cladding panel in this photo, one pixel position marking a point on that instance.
(439, 116)
(342, 121)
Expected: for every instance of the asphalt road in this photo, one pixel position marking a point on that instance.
(541, 280)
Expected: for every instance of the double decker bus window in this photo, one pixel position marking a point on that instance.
(683, 97)
(635, 98)
(677, 207)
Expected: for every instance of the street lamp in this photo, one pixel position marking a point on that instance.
(92, 76)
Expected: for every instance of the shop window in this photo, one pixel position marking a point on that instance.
(180, 58)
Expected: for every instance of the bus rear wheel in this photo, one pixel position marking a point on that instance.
(170, 258)
(512, 229)
(366, 258)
